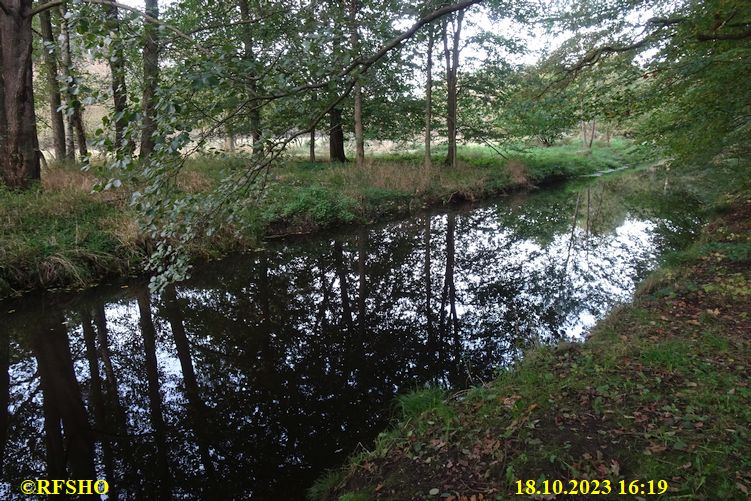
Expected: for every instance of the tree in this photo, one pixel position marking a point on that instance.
(451, 54)
(427, 160)
(73, 104)
(116, 61)
(357, 91)
(255, 113)
(336, 129)
(693, 61)
(19, 146)
(150, 78)
(49, 56)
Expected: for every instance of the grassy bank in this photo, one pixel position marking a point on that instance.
(60, 234)
(660, 391)
(304, 197)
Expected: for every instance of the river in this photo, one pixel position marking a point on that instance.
(264, 369)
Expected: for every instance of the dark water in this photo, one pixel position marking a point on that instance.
(265, 369)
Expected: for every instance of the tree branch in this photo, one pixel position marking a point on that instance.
(707, 37)
(666, 21)
(364, 64)
(46, 6)
(57, 3)
(236, 23)
(595, 55)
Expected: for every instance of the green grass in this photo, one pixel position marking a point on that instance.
(308, 196)
(54, 238)
(60, 234)
(564, 158)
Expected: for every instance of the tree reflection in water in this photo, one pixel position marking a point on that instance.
(265, 369)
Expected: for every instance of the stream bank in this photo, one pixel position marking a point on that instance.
(269, 367)
(61, 235)
(659, 391)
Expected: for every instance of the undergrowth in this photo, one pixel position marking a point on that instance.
(61, 234)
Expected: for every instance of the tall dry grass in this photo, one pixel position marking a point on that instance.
(408, 178)
(67, 179)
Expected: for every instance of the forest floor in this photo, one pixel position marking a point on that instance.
(659, 392)
(60, 234)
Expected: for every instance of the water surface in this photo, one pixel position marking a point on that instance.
(264, 369)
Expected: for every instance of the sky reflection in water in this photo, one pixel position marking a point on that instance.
(263, 370)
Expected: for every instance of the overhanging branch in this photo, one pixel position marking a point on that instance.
(153, 20)
(236, 23)
(708, 37)
(390, 45)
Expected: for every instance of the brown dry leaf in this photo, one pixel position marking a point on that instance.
(509, 402)
(615, 467)
(437, 443)
(656, 448)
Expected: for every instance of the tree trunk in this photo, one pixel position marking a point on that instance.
(312, 146)
(155, 399)
(359, 133)
(150, 78)
(229, 142)
(354, 40)
(336, 136)
(198, 409)
(592, 136)
(452, 68)
(75, 123)
(97, 398)
(49, 56)
(343, 286)
(249, 56)
(62, 401)
(255, 122)
(116, 61)
(428, 161)
(19, 148)
(449, 122)
(336, 133)
(584, 133)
